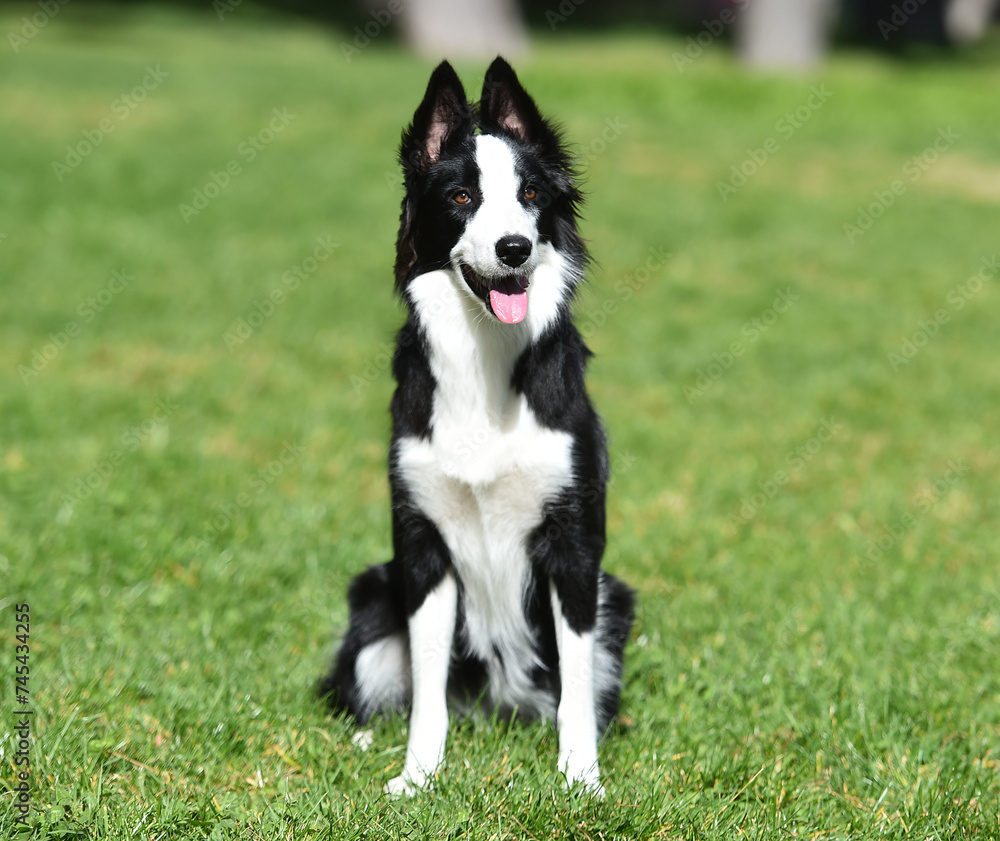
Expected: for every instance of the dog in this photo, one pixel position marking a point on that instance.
(494, 597)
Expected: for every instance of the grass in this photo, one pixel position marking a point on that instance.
(185, 496)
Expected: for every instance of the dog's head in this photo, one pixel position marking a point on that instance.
(488, 188)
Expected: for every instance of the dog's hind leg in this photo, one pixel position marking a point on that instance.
(371, 672)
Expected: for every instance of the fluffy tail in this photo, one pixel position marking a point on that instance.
(371, 672)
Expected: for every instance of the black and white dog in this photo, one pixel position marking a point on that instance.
(498, 462)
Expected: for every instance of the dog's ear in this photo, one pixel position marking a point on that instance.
(443, 112)
(506, 106)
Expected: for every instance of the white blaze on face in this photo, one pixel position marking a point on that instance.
(500, 214)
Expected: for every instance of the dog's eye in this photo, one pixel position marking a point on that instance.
(529, 192)
(461, 197)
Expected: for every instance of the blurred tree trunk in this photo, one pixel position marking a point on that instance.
(789, 34)
(471, 29)
(966, 20)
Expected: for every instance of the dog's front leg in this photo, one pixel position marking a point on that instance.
(432, 627)
(576, 717)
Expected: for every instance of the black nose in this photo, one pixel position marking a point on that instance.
(513, 250)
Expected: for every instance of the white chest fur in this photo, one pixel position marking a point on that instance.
(484, 476)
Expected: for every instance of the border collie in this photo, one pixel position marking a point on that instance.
(498, 465)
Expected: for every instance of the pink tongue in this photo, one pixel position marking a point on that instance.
(509, 302)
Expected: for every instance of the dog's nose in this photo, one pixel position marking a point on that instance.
(513, 250)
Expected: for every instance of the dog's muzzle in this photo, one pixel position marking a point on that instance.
(505, 297)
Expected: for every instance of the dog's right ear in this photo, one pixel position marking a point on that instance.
(445, 113)
(442, 114)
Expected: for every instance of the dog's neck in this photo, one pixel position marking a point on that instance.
(472, 355)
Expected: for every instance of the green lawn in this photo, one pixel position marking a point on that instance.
(796, 361)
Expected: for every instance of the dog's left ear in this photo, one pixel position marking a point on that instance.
(506, 106)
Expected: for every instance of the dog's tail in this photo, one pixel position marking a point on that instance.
(371, 672)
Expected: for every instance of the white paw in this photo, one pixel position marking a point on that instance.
(591, 785)
(595, 789)
(407, 784)
(581, 772)
(399, 787)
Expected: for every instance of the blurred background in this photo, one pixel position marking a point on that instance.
(792, 208)
(768, 32)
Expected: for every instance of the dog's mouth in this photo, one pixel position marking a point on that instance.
(505, 297)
